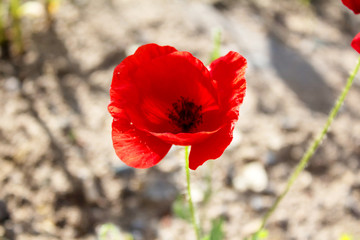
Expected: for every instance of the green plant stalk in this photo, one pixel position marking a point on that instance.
(312, 148)
(306, 2)
(215, 54)
(50, 4)
(191, 205)
(16, 25)
(2, 22)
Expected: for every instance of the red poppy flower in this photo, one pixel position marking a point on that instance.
(354, 5)
(160, 96)
(356, 42)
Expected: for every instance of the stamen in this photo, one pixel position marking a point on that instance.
(185, 114)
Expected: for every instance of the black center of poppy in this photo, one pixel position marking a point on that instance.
(185, 114)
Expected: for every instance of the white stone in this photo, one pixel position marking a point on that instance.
(253, 177)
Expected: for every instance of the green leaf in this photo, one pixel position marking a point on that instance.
(217, 232)
(181, 209)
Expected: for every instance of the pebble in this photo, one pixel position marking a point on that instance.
(33, 9)
(304, 180)
(289, 124)
(12, 84)
(253, 177)
(124, 171)
(4, 213)
(160, 191)
(260, 203)
(197, 193)
(251, 227)
(270, 158)
(352, 201)
(267, 107)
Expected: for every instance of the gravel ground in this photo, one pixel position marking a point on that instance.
(60, 178)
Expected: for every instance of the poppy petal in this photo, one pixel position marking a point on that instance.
(136, 148)
(169, 80)
(122, 77)
(150, 51)
(354, 5)
(228, 72)
(212, 148)
(356, 42)
(183, 139)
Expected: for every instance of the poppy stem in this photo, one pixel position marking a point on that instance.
(312, 148)
(191, 205)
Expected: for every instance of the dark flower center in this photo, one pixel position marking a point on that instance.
(185, 114)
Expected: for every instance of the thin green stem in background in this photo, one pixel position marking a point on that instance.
(2, 22)
(312, 148)
(191, 205)
(16, 25)
(215, 54)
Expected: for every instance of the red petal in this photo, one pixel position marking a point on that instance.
(354, 5)
(356, 42)
(228, 72)
(183, 139)
(212, 148)
(122, 91)
(162, 82)
(212, 122)
(136, 148)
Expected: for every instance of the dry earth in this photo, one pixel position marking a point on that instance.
(60, 178)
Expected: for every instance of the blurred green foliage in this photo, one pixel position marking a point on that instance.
(216, 232)
(181, 209)
(12, 13)
(260, 235)
(109, 231)
(346, 237)
(215, 54)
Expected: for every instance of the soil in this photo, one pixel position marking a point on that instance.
(60, 177)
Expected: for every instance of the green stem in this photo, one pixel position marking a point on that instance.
(16, 25)
(215, 54)
(2, 24)
(312, 148)
(191, 205)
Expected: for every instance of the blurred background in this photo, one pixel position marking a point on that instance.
(60, 177)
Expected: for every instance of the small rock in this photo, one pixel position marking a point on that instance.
(352, 201)
(353, 208)
(253, 177)
(267, 107)
(4, 213)
(124, 171)
(260, 203)
(33, 9)
(12, 84)
(251, 227)
(304, 180)
(270, 158)
(197, 193)
(289, 124)
(230, 174)
(160, 191)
